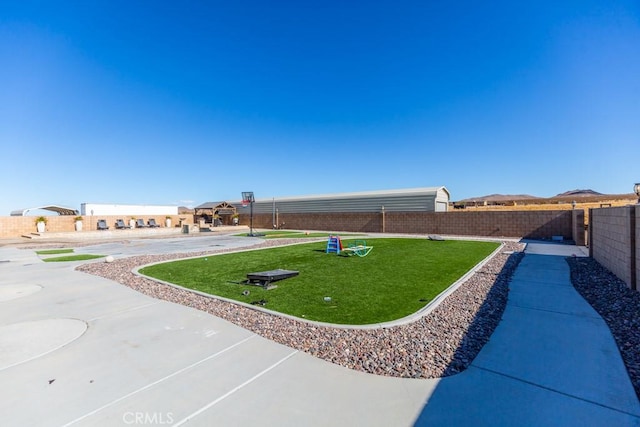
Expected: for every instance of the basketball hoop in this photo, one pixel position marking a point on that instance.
(248, 199)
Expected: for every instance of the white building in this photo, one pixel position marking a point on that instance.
(97, 209)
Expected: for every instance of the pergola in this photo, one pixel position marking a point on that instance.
(215, 210)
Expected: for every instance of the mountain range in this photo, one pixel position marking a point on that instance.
(565, 195)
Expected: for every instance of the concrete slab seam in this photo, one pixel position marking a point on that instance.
(596, 317)
(230, 392)
(557, 284)
(179, 371)
(555, 391)
(126, 310)
(564, 313)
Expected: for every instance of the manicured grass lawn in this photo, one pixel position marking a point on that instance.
(55, 251)
(397, 278)
(78, 257)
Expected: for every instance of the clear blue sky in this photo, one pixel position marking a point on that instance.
(185, 102)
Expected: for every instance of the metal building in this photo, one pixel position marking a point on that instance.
(60, 210)
(426, 199)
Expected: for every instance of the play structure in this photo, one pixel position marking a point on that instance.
(334, 245)
(357, 247)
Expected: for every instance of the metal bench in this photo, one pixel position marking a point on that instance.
(265, 278)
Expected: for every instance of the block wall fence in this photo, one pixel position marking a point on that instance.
(613, 237)
(16, 226)
(527, 224)
(615, 241)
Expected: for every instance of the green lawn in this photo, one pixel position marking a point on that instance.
(397, 278)
(79, 257)
(76, 257)
(55, 251)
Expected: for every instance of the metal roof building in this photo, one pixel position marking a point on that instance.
(425, 199)
(60, 210)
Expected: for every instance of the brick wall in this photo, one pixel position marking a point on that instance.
(528, 224)
(637, 213)
(614, 239)
(16, 226)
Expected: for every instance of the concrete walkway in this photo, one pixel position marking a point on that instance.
(552, 360)
(76, 349)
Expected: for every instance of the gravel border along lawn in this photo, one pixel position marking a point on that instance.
(443, 342)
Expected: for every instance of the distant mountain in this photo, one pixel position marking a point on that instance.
(572, 194)
(499, 198)
(579, 193)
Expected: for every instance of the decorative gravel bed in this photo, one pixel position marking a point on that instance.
(618, 305)
(443, 342)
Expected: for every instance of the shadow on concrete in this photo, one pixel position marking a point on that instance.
(552, 361)
(444, 400)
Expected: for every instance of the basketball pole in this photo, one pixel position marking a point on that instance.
(251, 218)
(248, 196)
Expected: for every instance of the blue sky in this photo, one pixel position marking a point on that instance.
(195, 101)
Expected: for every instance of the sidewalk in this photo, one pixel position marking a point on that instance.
(551, 361)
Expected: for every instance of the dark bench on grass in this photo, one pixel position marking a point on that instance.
(265, 278)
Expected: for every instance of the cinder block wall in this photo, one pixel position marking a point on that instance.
(637, 213)
(529, 224)
(614, 241)
(16, 226)
(360, 222)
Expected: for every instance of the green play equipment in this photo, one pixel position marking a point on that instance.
(358, 247)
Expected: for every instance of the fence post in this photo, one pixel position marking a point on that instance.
(577, 222)
(590, 233)
(632, 249)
